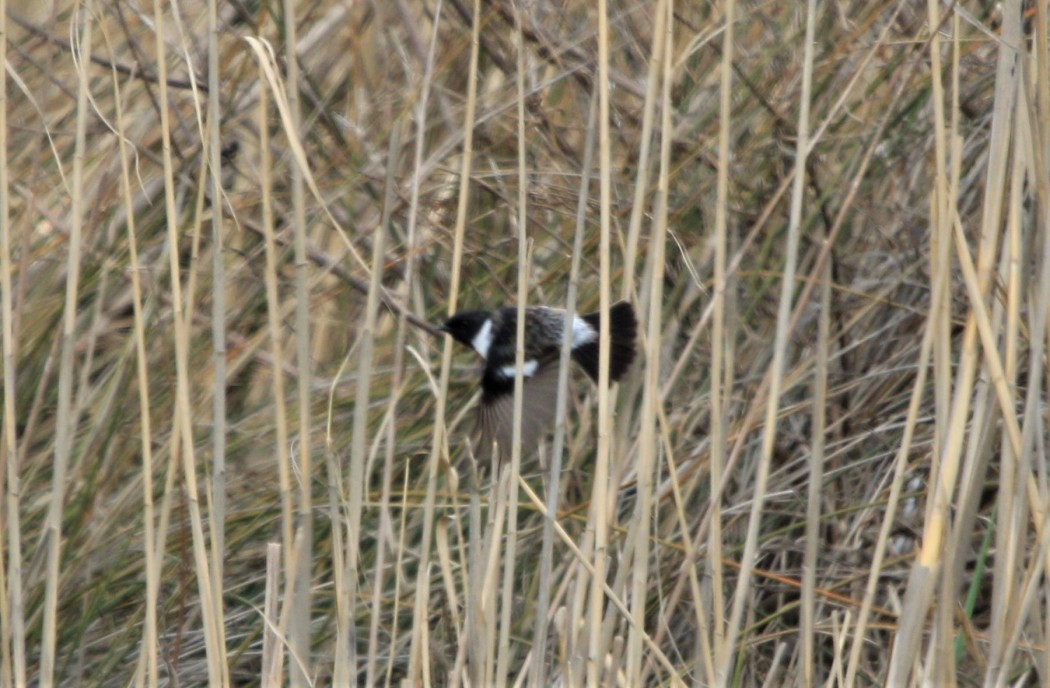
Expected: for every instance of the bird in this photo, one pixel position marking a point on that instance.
(493, 335)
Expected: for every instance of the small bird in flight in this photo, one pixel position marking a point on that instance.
(493, 334)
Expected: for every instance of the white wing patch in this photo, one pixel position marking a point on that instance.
(483, 339)
(582, 332)
(527, 370)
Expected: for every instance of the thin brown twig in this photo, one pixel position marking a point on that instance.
(130, 70)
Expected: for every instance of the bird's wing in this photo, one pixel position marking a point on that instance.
(539, 399)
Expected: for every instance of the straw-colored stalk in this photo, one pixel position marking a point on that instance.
(514, 467)
(66, 414)
(273, 669)
(218, 670)
(439, 443)
(820, 380)
(302, 557)
(640, 535)
(148, 669)
(385, 534)
(218, 313)
(12, 611)
(601, 497)
(365, 341)
(719, 470)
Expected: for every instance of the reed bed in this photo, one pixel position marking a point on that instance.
(236, 451)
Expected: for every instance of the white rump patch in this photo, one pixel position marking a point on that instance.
(582, 332)
(527, 370)
(483, 339)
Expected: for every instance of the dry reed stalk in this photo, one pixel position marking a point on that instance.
(300, 632)
(600, 507)
(820, 381)
(439, 439)
(720, 644)
(12, 611)
(67, 415)
(212, 625)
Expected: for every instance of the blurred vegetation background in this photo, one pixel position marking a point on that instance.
(234, 453)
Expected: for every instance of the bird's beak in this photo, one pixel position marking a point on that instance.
(442, 328)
